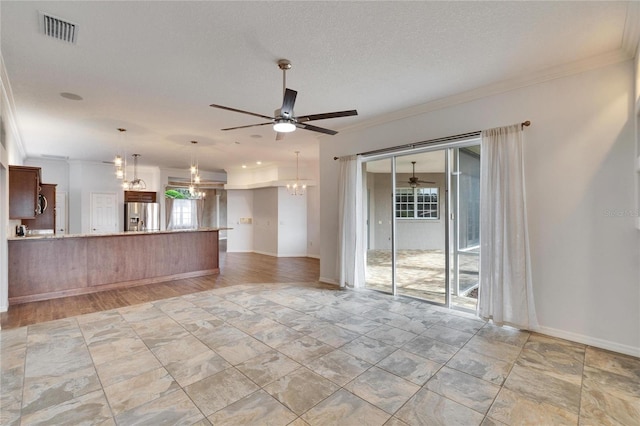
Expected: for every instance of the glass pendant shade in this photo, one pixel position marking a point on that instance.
(194, 172)
(296, 188)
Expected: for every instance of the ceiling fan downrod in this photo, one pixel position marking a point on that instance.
(284, 65)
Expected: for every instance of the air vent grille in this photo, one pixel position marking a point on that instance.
(57, 28)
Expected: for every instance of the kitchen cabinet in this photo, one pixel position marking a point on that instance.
(24, 188)
(139, 197)
(47, 218)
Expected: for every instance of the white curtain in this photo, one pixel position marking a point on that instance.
(199, 207)
(168, 213)
(183, 213)
(351, 226)
(506, 293)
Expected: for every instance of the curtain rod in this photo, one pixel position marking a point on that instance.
(418, 144)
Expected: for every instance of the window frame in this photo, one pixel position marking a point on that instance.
(408, 200)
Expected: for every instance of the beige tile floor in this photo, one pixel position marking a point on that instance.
(287, 354)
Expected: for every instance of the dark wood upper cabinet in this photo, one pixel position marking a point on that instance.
(139, 197)
(24, 188)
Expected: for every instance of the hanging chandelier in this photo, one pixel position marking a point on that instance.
(194, 172)
(120, 163)
(136, 184)
(296, 188)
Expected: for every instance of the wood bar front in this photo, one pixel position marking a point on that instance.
(59, 266)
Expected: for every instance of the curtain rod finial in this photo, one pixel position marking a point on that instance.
(526, 124)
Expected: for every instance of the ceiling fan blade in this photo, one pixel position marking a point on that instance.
(280, 136)
(244, 127)
(316, 129)
(426, 181)
(326, 115)
(288, 102)
(241, 111)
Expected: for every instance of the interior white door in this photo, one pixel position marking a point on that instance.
(61, 212)
(104, 213)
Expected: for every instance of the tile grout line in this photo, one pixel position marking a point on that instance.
(95, 369)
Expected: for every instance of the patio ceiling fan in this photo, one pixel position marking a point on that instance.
(414, 181)
(284, 119)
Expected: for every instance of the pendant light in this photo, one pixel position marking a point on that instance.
(296, 188)
(194, 172)
(119, 162)
(136, 184)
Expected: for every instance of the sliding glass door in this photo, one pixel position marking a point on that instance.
(380, 257)
(465, 230)
(420, 213)
(423, 224)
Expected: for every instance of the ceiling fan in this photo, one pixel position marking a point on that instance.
(414, 181)
(284, 120)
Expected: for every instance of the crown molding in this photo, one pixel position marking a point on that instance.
(525, 80)
(7, 93)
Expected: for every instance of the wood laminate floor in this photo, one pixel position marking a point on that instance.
(235, 268)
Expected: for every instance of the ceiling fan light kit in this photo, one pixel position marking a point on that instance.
(284, 125)
(284, 120)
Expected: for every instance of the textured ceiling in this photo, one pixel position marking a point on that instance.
(154, 67)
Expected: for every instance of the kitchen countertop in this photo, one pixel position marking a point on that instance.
(58, 236)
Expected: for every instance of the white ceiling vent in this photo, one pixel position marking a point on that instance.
(60, 29)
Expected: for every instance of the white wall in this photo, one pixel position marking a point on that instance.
(239, 205)
(287, 228)
(84, 179)
(579, 159)
(280, 222)
(11, 153)
(52, 171)
(313, 222)
(292, 224)
(265, 221)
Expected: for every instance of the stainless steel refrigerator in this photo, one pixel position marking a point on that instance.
(141, 217)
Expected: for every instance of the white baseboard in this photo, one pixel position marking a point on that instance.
(274, 254)
(4, 308)
(328, 280)
(591, 341)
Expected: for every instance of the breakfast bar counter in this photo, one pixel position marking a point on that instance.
(51, 266)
